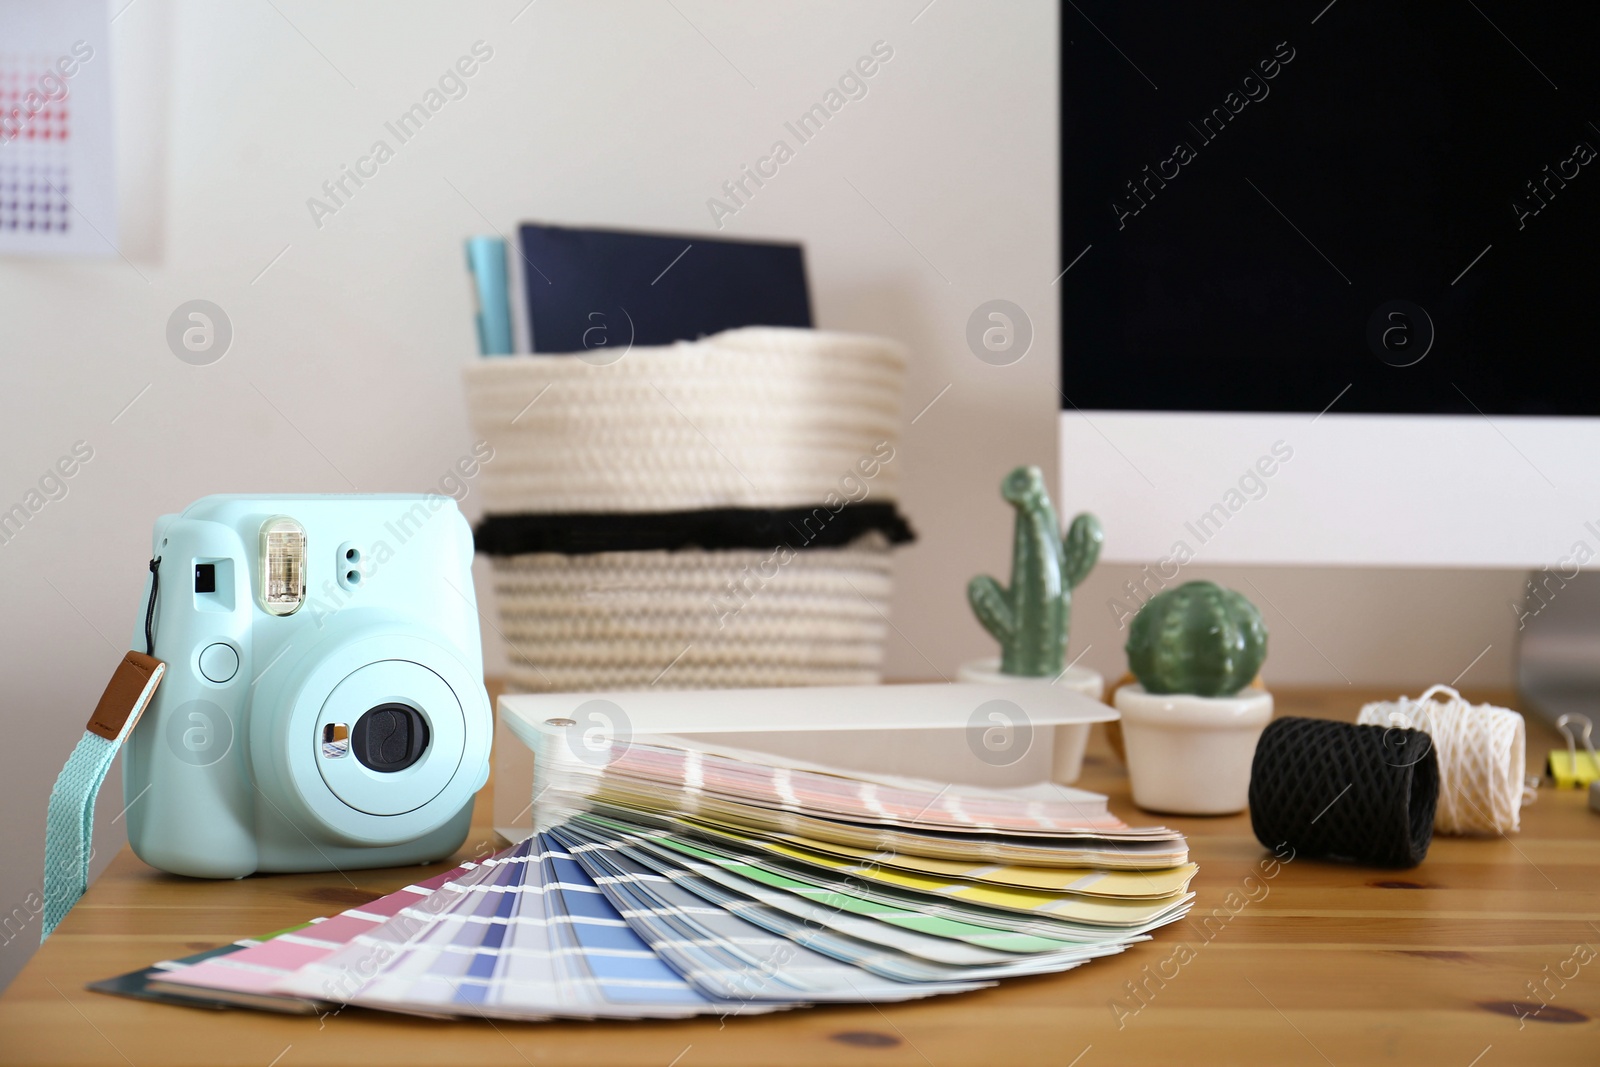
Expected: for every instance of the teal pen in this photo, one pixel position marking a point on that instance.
(486, 259)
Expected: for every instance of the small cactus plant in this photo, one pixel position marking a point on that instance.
(1198, 638)
(1031, 618)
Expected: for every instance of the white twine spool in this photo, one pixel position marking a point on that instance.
(1481, 752)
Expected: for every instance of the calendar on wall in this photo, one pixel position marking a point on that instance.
(57, 178)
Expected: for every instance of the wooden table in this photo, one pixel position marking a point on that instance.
(1458, 962)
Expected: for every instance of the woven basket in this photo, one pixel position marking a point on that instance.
(760, 417)
(631, 620)
(754, 418)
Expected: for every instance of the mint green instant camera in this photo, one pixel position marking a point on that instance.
(323, 706)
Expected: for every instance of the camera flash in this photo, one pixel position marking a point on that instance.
(283, 565)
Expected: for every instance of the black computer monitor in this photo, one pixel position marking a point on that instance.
(1266, 203)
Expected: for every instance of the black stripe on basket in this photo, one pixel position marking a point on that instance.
(580, 533)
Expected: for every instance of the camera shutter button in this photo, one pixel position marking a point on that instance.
(219, 662)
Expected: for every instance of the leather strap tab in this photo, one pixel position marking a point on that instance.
(131, 687)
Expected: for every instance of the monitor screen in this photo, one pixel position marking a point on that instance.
(1385, 208)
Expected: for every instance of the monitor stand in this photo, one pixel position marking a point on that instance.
(1558, 653)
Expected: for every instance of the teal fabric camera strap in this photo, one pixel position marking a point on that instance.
(69, 827)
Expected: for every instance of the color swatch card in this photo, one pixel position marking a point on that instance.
(1087, 881)
(815, 865)
(669, 880)
(526, 935)
(256, 969)
(754, 779)
(149, 984)
(752, 792)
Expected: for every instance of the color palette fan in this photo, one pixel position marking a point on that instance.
(670, 878)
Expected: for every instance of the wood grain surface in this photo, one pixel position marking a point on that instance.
(1470, 960)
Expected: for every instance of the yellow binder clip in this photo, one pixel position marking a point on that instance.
(1569, 769)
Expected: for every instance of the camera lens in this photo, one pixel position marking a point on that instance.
(389, 738)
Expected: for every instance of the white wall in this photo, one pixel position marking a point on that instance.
(345, 361)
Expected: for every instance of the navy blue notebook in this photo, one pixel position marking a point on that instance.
(595, 289)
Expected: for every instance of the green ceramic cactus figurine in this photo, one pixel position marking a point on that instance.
(1198, 638)
(1030, 619)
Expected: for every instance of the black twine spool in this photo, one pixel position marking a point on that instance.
(1365, 794)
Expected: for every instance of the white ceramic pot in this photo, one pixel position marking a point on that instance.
(1191, 755)
(1066, 760)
